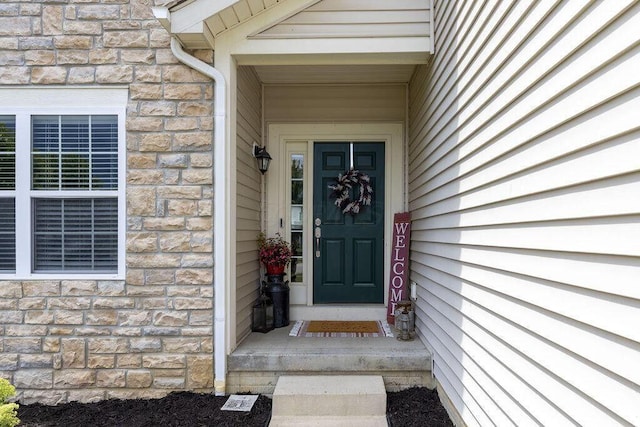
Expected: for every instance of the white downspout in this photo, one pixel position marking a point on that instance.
(219, 220)
(220, 231)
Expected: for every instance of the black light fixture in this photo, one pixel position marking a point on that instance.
(263, 158)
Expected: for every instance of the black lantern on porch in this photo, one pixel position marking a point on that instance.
(262, 315)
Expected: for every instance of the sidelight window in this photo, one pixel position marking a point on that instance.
(296, 210)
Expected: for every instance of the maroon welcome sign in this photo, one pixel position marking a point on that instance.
(399, 262)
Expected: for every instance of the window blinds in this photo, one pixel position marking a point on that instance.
(75, 234)
(74, 152)
(7, 234)
(7, 152)
(7, 183)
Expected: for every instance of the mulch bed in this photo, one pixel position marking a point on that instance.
(417, 406)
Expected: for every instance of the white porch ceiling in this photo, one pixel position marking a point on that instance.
(339, 74)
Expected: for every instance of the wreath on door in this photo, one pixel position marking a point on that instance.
(342, 191)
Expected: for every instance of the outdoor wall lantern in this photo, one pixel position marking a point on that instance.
(262, 156)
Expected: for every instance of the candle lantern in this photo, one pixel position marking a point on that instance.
(262, 315)
(405, 321)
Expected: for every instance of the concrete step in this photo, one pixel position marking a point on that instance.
(311, 421)
(329, 400)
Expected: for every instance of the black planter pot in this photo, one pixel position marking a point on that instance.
(278, 290)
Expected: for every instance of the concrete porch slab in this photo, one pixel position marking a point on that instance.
(261, 358)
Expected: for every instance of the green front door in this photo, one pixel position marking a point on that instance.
(348, 249)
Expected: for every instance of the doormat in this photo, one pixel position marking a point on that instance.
(341, 329)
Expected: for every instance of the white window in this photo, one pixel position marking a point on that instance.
(296, 215)
(61, 184)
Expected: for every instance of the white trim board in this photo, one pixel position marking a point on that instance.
(55, 97)
(338, 312)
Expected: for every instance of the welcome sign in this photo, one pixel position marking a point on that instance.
(399, 262)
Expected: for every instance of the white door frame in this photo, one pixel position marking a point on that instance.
(302, 137)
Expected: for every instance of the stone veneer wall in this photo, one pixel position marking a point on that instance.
(151, 334)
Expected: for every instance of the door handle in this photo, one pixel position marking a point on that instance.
(318, 233)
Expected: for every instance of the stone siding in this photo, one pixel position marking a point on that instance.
(152, 333)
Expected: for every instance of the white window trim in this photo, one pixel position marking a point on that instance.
(26, 102)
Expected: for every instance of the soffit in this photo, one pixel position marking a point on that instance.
(198, 22)
(237, 13)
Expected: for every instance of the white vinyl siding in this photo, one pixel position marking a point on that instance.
(248, 208)
(334, 74)
(356, 18)
(335, 103)
(523, 176)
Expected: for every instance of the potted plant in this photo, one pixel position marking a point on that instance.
(275, 253)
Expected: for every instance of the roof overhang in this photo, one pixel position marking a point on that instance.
(197, 22)
(274, 32)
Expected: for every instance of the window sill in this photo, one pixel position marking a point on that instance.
(63, 276)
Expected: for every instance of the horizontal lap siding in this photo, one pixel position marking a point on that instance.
(357, 18)
(524, 171)
(335, 103)
(248, 198)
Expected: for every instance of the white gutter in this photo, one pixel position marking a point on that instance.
(220, 230)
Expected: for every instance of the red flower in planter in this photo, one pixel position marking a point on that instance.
(275, 253)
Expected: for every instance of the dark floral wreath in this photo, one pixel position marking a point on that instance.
(341, 189)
